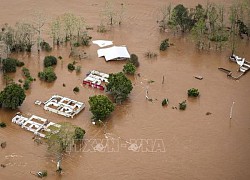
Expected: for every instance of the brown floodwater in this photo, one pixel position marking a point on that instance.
(192, 145)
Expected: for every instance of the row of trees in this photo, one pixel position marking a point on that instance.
(208, 25)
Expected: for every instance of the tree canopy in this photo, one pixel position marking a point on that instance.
(129, 68)
(100, 106)
(47, 75)
(12, 96)
(119, 86)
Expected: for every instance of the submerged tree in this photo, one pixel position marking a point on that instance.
(166, 16)
(18, 38)
(119, 86)
(181, 18)
(38, 22)
(12, 96)
(59, 140)
(100, 106)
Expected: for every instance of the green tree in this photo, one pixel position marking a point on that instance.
(49, 61)
(164, 44)
(59, 139)
(47, 75)
(100, 106)
(129, 68)
(9, 65)
(180, 17)
(12, 96)
(119, 86)
(79, 133)
(199, 33)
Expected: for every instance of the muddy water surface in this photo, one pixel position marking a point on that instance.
(196, 146)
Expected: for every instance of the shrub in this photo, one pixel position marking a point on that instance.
(101, 28)
(129, 68)
(86, 39)
(45, 46)
(150, 54)
(20, 80)
(49, 61)
(76, 44)
(26, 84)
(60, 57)
(79, 133)
(19, 63)
(134, 60)
(164, 102)
(76, 89)
(182, 105)
(71, 67)
(12, 96)
(26, 72)
(2, 124)
(78, 69)
(164, 45)
(47, 75)
(193, 92)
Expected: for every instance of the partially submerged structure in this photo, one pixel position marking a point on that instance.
(64, 106)
(114, 53)
(38, 125)
(95, 79)
(244, 65)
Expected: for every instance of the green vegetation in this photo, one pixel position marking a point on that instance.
(119, 86)
(207, 25)
(76, 89)
(78, 69)
(164, 102)
(100, 106)
(47, 75)
(2, 124)
(182, 105)
(9, 65)
(164, 44)
(129, 68)
(18, 38)
(28, 79)
(79, 133)
(71, 67)
(45, 46)
(134, 60)
(59, 139)
(12, 96)
(193, 92)
(49, 61)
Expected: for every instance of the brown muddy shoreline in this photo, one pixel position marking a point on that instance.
(197, 146)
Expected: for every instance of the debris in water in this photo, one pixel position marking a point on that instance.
(198, 77)
(231, 112)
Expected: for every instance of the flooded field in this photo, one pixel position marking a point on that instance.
(186, 144)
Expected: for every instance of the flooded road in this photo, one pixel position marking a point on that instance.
(190, 144)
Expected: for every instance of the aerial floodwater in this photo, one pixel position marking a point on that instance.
(141, 139)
